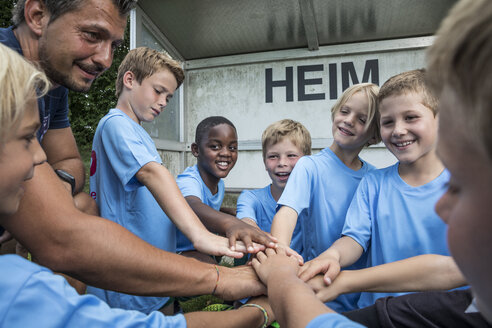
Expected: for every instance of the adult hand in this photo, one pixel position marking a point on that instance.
(238, 282)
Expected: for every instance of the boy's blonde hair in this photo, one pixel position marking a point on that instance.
(290, 129)
(20, 82)
(143, 62)
(408, 82)
(371, 91)
(461, 60)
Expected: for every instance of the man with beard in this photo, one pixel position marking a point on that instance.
(73, 42)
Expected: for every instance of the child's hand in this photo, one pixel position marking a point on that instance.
(328, 266)
(238, 230)
(274, 262)
(292, 253)
(328, 293)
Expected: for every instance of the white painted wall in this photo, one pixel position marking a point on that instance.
(235, 87)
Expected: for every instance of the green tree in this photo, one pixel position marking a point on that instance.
(6, 12)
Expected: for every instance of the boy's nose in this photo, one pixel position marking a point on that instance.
(282, 161)
(38, 154)
(399, 129)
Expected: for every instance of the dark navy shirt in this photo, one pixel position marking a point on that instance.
(53, 107)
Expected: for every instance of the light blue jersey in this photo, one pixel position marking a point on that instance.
(32, 296)
(332, 320)
(191, 184)
(320, 189)
(396, 220)
(259, 205)
(121, 147)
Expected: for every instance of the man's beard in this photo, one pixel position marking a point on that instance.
(60, 78)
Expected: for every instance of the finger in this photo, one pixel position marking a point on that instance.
(258, 247)
(231, 253)
(232, 242)
(261, 237)
(331, 273)
(310, 270)
(248, 242)
(261, 257)
(270, 252)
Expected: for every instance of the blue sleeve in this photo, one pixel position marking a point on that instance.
(126, 150)
(58, 108)
(190, 186)
(246, 206)
(332, 320)
(297, 192)
(35, 297)
(358, 222)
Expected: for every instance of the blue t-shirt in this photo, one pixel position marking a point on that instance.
(259, 205)
(32, 296)
(320, 189)
(121, 147)
(392, 220)
(191, 184)
(332, 320)
(53, 107)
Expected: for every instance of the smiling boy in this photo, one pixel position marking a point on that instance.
(283, 144)
(215, 149)
(392, 215)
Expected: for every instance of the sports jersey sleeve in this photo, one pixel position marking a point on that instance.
(126, 151)
(58, 108)
(297, 192)
(32, 296)
(190, 186)
(358, 222)
(332, 320)
(246, 206)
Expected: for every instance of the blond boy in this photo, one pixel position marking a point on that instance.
(283, 144)
(392, 214)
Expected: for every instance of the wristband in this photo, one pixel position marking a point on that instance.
(265, 314)
(217, 282)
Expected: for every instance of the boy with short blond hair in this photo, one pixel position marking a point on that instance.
(283, 144)
(321, 186)
(128, 180)
(392, 215)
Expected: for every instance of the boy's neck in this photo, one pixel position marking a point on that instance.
(126, 108)
(210, 181)
(422, 171)
(349, 157)
(276, 192)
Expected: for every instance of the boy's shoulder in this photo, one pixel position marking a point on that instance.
(257, 194)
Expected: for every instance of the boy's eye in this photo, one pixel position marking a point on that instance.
(232, 148)
(386, 123)
(344, 111)
(292, 155)
(29, 139)
(410, 117)
(362, 120)
(272, 156)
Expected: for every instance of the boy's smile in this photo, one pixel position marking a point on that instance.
(280, 160)
(408, 128)
(216, 154)
(349, 131)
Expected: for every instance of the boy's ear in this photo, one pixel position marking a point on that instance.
(194, 149)
(128, 79)
(36, 16)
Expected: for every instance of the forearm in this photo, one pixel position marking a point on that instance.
(246, 317)
(419, 273)
(345, 250)
(283, 224)
(215, 221)
(98, 251)
(293, 302)
(75, 167)
(167, 194)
